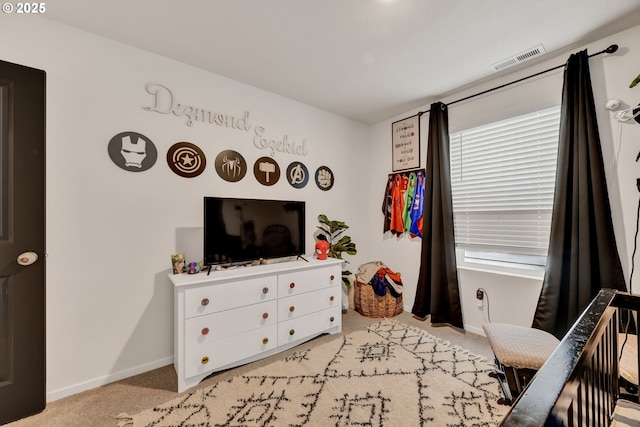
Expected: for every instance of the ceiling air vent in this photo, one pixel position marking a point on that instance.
(521, 57)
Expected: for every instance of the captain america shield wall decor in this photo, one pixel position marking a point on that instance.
(186, 159)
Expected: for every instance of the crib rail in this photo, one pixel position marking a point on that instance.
(579, 384)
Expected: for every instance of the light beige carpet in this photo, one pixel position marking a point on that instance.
(626, 414)
(387, 375)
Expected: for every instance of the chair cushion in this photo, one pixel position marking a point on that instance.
(519, 346)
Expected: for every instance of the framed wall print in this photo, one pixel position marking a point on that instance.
(405, 137)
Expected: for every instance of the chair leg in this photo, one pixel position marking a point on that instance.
(500, 375)
(512, 381)
(516, 380)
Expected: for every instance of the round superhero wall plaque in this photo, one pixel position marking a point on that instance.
(324, 178)
(186, 159)
(132, 151)
(230, 165)
(266, 171)
(297, 175)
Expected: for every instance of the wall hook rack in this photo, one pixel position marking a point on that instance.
(626, 114)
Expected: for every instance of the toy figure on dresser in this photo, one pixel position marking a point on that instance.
(322, 247)
(194, 268)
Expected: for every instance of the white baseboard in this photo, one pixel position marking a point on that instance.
(471, 329)
(474, 330)
(97, 382)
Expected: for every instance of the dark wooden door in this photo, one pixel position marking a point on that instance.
(22, 241)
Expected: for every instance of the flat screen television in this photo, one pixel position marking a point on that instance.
(238, 231)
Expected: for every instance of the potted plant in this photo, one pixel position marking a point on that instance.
(339, 244)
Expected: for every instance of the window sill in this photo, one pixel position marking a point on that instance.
(521, 272)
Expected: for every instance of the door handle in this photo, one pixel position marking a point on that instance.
(27, 258)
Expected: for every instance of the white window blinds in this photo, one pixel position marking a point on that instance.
(503, 179)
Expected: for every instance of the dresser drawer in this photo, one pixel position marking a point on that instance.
(310, 302)
(215, 298)
(305, 326)
(311, 280)
(216, 326)
(209, 357)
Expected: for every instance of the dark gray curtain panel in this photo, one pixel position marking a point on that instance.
(583, 256)
(437, 292)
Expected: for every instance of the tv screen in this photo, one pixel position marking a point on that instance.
(244, 230)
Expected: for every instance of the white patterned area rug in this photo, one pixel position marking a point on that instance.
(387, 375)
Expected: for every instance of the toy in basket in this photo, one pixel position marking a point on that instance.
(377, 291)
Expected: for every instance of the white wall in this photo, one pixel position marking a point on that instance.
(512, 298)
(110, 232)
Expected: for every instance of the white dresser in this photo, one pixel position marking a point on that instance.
(232, 317)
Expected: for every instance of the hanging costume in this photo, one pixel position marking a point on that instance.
(408, 201)
(387, 204)
(417, 207)
(397, 226)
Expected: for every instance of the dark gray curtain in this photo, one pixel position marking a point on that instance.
(583, 256)
(437, 293)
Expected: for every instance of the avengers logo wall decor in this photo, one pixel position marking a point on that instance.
(186, 159)
(132, 151)
(297, 175)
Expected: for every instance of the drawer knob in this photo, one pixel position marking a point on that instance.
(331, 298)
(292, 309)
(205, 331)
(204, 302)
(292, 285)
(292, 331)
(265, 341)
(204, 360)
(331, 319)
(332, 277)
(265, 315)
(265, 290)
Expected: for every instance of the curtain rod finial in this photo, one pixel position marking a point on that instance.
(611, 49)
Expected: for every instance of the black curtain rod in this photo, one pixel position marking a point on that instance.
(611, 49)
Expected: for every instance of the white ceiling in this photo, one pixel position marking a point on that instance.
(368, 60)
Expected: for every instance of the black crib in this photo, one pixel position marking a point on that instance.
(580, 384)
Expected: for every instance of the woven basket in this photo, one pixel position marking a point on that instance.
(371, 305)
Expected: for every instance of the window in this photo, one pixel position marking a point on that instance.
(503, 180)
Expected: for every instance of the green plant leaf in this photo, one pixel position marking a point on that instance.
(326, 231)
(338, 243)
